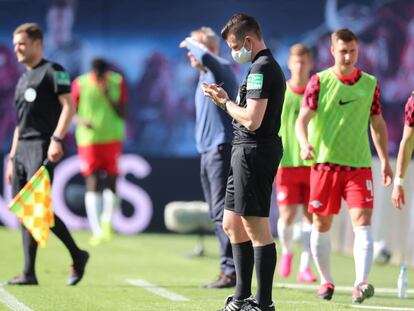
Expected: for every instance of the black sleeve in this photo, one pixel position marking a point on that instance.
(60, 79)
(258, 82)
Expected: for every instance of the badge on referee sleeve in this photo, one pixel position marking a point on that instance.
(254, 81)
(62, 78)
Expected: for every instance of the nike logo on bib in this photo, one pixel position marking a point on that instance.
(346, 102)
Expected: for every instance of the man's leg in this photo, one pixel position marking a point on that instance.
(305, 271)
(214, 172)
(321, 251)
(79, 257)
(110, 203)
(29, 244)
(30, 251)
(359, 197)
(324, 201)
(363, 252)
(287, 215)
(243, 253)
(93, 201)
(259, 231)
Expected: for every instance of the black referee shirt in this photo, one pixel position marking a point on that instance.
(37, 99)
(264, 79)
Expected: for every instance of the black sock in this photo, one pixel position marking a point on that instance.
(62, 232)
(30, 250)
(243, 262)
(265, 261)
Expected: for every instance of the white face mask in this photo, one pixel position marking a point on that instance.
(242, 56)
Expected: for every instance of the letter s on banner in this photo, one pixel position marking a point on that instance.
(136, 196)
(140, 200)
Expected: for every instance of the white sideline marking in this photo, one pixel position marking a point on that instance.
(157, 290)
(11, 302)
(341, 288)
(382, 308)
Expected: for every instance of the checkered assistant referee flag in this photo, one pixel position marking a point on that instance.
(33, 206)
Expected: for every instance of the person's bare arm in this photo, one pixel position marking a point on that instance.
(307, 152)
(250, 117)
(379, 136)
(12, 154)
(404, 156)
(55, 151)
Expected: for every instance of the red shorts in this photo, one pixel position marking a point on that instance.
(329, 187)
(292, 185)
(100, 157)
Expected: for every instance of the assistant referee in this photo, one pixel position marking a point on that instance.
(44, 112)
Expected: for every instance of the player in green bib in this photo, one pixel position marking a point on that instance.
(100, 96)
(293, 175)
(343, 102)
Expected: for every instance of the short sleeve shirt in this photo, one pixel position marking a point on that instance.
(409, 111)
(264, 80)
(37, 99)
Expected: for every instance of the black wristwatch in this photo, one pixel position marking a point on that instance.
(57, 139)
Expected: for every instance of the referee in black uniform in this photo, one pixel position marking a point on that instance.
(256, 153)
(44, 112)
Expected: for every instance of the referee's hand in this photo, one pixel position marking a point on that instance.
(55, 151)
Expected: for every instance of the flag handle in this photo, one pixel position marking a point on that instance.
(48, 164)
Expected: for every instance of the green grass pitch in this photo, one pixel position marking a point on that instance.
(160, 260)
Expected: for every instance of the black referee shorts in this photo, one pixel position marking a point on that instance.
(249, 185)
(29, 156)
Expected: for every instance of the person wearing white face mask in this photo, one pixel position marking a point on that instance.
(242, 56)
(256, 153)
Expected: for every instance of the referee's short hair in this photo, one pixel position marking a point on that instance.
(32, 30)
(240, 25)
(344, 34)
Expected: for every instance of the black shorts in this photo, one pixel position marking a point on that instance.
(29, 156)
(249, 185)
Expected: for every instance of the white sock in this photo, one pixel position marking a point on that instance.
(321, 252)
(110, 203)
(285, 234)
(306, 256)
(92, 204)
(363, 253)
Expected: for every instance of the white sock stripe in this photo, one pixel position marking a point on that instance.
(306, 227)
(92, 205)
(359, 228)
(363, 252)
(305, 258)
(110, 203)
(285, 234)
(321, 251)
